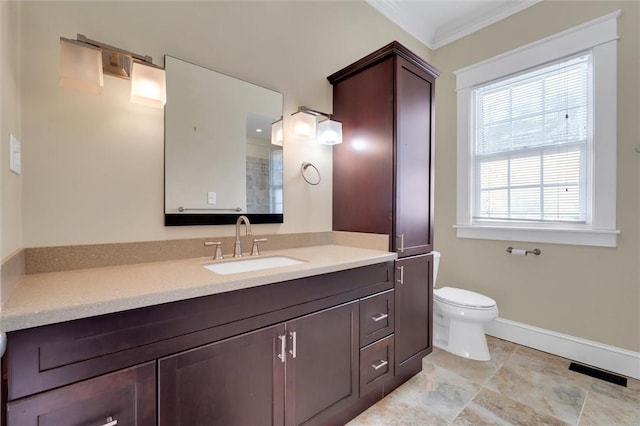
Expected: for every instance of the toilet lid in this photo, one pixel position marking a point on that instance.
(460, 297)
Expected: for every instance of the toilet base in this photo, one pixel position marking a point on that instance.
(463, 338)
(466, 340)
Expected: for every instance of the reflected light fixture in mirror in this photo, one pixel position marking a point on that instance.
(277, 133)
(83, 63)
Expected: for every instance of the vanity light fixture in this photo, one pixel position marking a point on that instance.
(83, 63)
(327, 132)
(303, 124)
(277, 134)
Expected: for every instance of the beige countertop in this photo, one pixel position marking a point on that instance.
(47, 298)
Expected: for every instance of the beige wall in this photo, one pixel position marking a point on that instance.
(10, 183)
(588, 292)
(94, 164)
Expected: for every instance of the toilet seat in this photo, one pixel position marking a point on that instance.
(463, 298)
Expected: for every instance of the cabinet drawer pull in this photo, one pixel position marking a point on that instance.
(401, 279)
(110, 422)
(294, 344)
(380, 364)
(401, 247)
(379, 317)
(283, 348)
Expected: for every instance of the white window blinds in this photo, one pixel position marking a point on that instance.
(532, 143)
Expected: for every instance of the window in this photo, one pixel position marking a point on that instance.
(532, 144)
(537, 141)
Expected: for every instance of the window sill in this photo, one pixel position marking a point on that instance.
(581, 237)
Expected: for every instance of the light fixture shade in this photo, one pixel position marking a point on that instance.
(148, 85)
(80, 66)
(329, 132)
(277, 136)
(303, 125)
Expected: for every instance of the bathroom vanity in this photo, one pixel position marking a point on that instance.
(311, 343)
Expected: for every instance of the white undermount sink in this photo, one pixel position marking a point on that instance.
(251, 264)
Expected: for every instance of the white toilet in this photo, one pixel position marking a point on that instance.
(458, 319)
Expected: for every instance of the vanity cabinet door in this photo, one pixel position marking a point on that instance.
(413, 299)
(322, 364)
(126, 397)
(238, 381)
(413, 169)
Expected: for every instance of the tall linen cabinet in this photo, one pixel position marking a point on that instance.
(383, 180)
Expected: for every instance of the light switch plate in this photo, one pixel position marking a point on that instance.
(211, 197)
(15, 161)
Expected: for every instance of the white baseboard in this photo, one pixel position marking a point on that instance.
(599, 355)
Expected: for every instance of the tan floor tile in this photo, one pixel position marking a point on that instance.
(478, 372)
(545, 393)
(490, 408)
(390, 412)
(605, 409)
(441, 391)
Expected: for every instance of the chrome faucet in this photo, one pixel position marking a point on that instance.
(237, 251)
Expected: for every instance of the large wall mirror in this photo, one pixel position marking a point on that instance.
(219, 160)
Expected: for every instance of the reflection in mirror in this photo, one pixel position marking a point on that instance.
(219, 160)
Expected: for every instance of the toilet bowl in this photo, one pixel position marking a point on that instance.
(458, 319)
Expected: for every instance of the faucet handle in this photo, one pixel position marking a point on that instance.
(218, 255)
(255, 251)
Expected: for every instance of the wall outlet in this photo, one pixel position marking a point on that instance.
(211, 197)
(15, 160)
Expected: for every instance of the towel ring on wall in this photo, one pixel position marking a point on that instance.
(310, 177)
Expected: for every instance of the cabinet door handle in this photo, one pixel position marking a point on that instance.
(379, 317)
(110, 422)
(380, 364)
(283, 347)
(294, 344)
(401, 247)
(401, 279)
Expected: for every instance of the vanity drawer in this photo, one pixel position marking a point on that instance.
(126, 397)
(376, 317)
(376, 364)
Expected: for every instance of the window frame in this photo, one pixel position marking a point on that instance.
(599, 37)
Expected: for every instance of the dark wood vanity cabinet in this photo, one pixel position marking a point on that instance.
(413, 312)
(307, 365)
(232, 382)
(286, 353)
(383, 170)
(383, 180)
(126, 397)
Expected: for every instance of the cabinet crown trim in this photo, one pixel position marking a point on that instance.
(393, 48)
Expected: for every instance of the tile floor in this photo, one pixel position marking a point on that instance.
(519, 386)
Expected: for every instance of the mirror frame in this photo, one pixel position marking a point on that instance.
(176, 219)
(195, 219)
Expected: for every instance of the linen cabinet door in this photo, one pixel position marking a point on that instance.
(414, 171)
(238, 381)
(322, 364)
(126, 397)
(414, 299)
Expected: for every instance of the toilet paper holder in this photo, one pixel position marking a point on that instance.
(537, 252)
